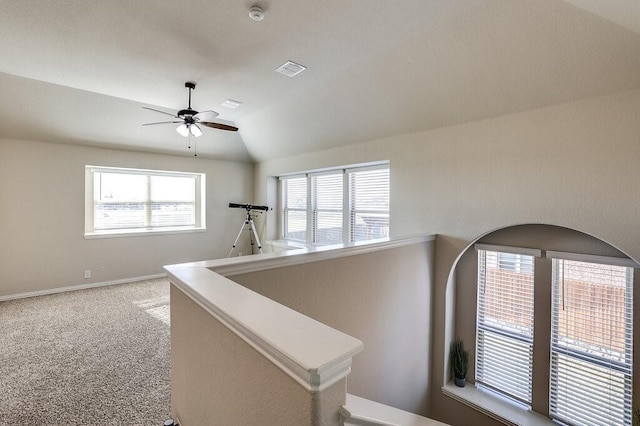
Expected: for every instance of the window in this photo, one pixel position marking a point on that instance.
(294, 197)
(504, 326)
(369, 202)
(591, 343)
(326, 208)
(578, 370)
(129, 201)
(335, 206)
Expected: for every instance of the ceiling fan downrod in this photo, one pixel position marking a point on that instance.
(188, 112)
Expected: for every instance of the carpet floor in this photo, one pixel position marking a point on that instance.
(89, 357)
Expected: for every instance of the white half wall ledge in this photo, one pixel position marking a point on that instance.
(313, 354)
(363, 412)
(260, 262)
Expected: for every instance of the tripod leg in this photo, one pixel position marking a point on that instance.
(255, 234)
(237, 238)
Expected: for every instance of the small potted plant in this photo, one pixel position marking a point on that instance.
(459, 360)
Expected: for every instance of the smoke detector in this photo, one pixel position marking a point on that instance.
(256, 13)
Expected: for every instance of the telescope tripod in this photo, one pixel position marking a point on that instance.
(252, 236)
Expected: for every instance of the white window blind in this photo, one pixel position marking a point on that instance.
(591, 343)
(294, 193)
(132, 200)
(369, 213)
(504, 333)
(327, 208)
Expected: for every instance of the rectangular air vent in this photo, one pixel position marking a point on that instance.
(230, 103)
(290, 69)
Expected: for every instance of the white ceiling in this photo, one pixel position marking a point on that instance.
(79, 71)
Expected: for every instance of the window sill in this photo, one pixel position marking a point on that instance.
(495, 407)
(140, 232)
(287, 244)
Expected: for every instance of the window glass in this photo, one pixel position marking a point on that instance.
(327, 191)
(591, 343)
(331, 207)
(294, 195)
(131, 200)
(504, 334)
(369, 213)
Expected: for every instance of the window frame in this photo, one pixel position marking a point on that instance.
(316, 210)
(285, 209)
(199, 204)
(508, 410)
(516, 255)
(311, 210)
(352, 213)
(625, 368)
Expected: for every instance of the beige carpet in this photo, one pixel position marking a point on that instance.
(88, 357)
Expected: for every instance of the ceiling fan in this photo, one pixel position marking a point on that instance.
(190, 120)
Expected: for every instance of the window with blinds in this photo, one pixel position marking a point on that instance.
(137, 201)
(369, 204)
(294, 200)
(504, 326)
(327, 203)
(336, 206)
(591, 343)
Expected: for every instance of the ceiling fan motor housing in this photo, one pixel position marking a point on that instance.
(187, 114)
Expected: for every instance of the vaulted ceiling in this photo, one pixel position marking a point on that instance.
(80, 71)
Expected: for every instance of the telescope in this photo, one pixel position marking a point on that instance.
(248, 207)
(249, 225)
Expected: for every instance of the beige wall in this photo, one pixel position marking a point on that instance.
(381, 298)
(42, 217)
(218, 379)
(573, 165)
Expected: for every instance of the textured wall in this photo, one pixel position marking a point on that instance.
(382, 298)
(42, 217)
(218, 379)
(574, 165)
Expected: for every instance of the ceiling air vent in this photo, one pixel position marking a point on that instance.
(290, 69)
(230, 103)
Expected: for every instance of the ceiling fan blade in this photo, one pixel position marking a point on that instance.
(161, 112)
(162, 122)
(219, 126)
(205, 116)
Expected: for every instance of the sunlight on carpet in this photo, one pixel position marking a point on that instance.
(157, 308)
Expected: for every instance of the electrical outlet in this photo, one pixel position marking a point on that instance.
(87, 273)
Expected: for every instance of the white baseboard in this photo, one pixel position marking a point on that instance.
(78, 287)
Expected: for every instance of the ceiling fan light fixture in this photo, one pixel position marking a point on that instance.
(183, 130)
(195, 130)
